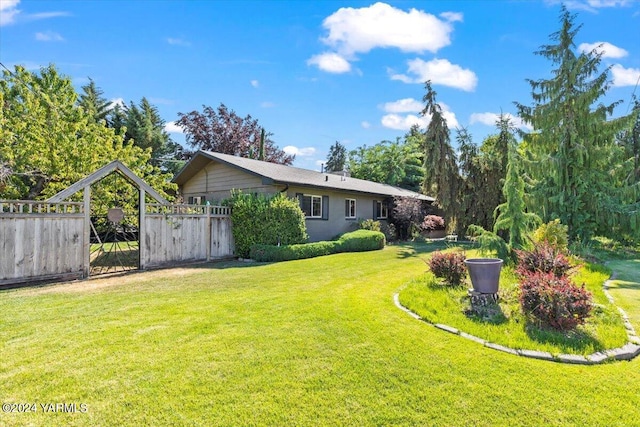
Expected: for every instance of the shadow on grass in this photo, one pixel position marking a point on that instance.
(411, 249)
(624, 284)
(568, 341)
(491, 314)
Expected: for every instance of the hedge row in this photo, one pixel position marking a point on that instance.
(355, 241)
(265, 219)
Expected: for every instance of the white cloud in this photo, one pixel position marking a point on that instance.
(116, 101)
(608, 50)
(452, 16)
(302, 152)
(591, 5)
(330, 62)
(359, 30)
(490, 119)
(382, 26)
(399, 122)
(625, 76)
(171, 127)
(406, 105)
(178, 41)
(8, 11)
(404, 122)
(267, 104)
(439, 71)
(49, 36)
(255, 83)
(365, 124)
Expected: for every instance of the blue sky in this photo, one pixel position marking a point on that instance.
(316, 72)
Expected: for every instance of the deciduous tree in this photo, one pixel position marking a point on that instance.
(223, 131)
(48, 141)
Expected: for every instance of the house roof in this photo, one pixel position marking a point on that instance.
(273, 173)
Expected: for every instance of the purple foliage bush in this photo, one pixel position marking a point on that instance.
(554, 301)
(449, 266)
(545, 258)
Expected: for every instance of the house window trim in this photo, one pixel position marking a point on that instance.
(313, 196)
(348, 207)
(384, 210)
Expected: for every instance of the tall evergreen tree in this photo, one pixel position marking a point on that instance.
(572, 147)
(441, 178)
(512, 215)
(337, 158)
(146, 128)
(93, 102)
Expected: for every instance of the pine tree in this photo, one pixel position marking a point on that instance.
(441, 178)
(93, 102)
(571, 150)
(512, 215)
(337, 158)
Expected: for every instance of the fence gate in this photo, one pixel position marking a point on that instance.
(58, 239)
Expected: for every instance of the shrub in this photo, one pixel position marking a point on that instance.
(406, 215)
(355, 241)
(543, 259)
(389, 231)
(272, 253)
(449, 266)
(267, 220)
(360, 241)
(432, 222)
(369, 224)
(554, 234)
(554, 301)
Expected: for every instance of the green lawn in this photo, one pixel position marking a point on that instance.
(310, 342)
(626, 288)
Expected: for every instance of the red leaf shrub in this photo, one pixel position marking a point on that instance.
(449, 266)
(543, 259)
(554, 301)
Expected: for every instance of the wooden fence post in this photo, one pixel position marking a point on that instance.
(141, 230)
(86, 255)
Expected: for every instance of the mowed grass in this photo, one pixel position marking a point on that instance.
(310, 342)
(625, 289)
(505, 324)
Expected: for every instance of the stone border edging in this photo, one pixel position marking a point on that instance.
(627, 352)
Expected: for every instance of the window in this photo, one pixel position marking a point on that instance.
(381, 210)
(195, 200)
(311, 206)
(350, 208)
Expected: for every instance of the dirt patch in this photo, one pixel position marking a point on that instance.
(110, 281)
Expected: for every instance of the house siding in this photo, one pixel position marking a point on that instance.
(215, 181)
(336, 223)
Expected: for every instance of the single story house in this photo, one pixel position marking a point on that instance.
(332, 203)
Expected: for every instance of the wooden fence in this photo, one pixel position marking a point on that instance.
(40, 240)
(45, 240)
(181, 233)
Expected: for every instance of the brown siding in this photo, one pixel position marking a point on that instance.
(217, 180)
